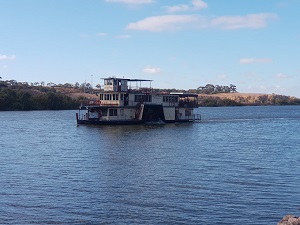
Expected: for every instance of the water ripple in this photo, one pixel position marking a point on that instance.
(238, 166)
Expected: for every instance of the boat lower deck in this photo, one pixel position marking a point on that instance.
(141, 114)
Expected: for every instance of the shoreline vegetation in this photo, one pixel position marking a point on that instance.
(16, 96)
(246, 99)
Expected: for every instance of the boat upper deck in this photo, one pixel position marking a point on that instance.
(124, 85)
(120, 92)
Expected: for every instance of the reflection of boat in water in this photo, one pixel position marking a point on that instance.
(120, 104)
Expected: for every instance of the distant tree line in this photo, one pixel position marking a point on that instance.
(85, 87)
(217, 102)
(19, 97)
(40, 96)
(214, 89)
(273, 99)
(207, 89)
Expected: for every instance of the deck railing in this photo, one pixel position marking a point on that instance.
(196, 117)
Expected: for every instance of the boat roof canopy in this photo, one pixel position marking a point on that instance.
(133, 80)
(183, 95)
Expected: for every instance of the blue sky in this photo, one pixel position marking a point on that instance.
(184, 44)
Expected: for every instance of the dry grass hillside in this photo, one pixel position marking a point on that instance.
(252, 98)
(76, 93)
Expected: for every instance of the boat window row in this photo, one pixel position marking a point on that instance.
(188, 112)
(143, 98)
(170, 98)
(113, 112)
(108, 82)
(111, 97)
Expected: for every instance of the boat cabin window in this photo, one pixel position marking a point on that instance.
(113, 112)
(143, 98)
(170, 98)
(115, 96)
(101, 96)
(104, 112)
(107, 96)
(188, 112)
(108, 81)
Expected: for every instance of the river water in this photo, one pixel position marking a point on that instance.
(239, 165)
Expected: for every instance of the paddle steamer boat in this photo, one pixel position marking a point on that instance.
(119, 103)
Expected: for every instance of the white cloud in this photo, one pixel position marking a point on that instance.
(84, 35)
(199, 4)
(177, 22)
(195, 5)
(101, 34)
(282, 4)
(7, 57)
(222, 77)
(151, 70)
(255, 60)
(277, 89)
(123, 36)
(177, 8)
(132, 1)
(162, 23)
(281, 76)
(253, 21)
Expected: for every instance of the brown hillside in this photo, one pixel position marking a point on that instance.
(76, 93)
(240, 98)
(233, 95)
(253, 98)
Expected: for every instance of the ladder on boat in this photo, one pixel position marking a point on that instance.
(139, 112)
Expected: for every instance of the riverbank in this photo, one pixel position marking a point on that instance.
(25, 97)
